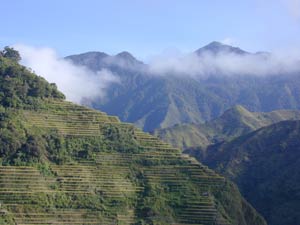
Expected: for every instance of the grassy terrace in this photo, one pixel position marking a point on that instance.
(110, 185)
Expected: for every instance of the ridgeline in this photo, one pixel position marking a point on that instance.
(62, 163)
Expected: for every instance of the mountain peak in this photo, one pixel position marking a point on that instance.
(215, 44)
(91, 54)
(240, 108)
(127, 58)
(236, 111)
(216, 47)
(126, 55)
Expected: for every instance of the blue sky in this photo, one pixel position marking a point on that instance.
(146, 27)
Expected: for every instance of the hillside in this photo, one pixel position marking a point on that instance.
(233, 123)
(153, 101)
(265, 165)
(62, 163)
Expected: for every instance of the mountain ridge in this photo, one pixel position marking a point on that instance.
(186, 99)
(264, 165)
(232, 123)
(218, 47)
(62, 163)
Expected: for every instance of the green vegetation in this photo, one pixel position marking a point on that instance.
(233, 123)
(19, 87)
(154, 102)
(265, 166)
(11, 54)
(253, 150)
(62, 163)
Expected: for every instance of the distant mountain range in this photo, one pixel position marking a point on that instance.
(217, 47)
(232, 123)
(62, 163)
(154, 101)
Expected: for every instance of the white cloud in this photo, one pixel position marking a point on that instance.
(226, 64)
(76, 82)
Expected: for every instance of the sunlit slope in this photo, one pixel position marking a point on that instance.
(80, 166)
(234, 122)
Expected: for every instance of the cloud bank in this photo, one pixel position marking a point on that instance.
(225, 64)
(79, 83)
(76, 82)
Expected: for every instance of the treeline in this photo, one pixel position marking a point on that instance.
(19, 87)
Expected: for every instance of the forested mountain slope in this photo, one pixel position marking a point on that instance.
(62, 163)
(265, 165)
(163, 99)
(233, 123)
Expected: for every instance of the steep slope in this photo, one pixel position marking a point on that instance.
(265, 165)
(62, 163)
(234, 122)
(20, 88)
(163, 100)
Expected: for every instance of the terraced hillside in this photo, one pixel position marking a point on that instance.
(140, 181)
(65, 164)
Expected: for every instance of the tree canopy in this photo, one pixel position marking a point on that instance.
(11, 53)
(20, 87)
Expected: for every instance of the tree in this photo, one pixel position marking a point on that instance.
(11, 53)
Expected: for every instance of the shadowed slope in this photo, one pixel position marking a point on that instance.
(62, 163)
(161, 100)
(265, 165)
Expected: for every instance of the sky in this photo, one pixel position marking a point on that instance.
(148, 27)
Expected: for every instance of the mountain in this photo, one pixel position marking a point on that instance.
(232, 123)
(95, 60)
(258, 151)
(153, 101)
(98, 60)
(265, 165)
(217, 47)
(63, 163)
